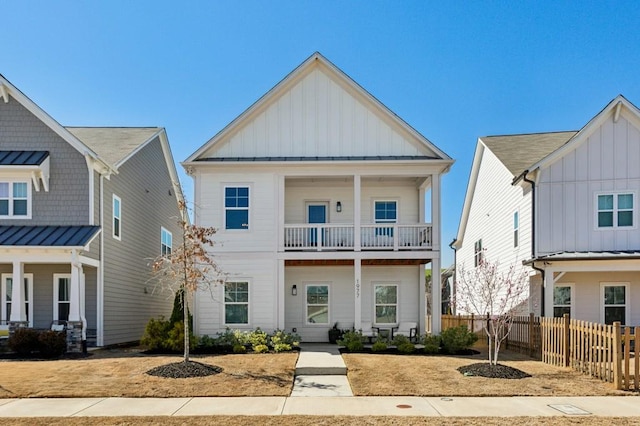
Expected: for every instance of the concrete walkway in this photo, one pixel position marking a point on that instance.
(320, 371)
(609, 406)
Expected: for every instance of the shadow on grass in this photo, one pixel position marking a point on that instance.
(278, 381)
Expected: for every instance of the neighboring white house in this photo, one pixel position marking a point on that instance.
(319, 193)
(581, 189)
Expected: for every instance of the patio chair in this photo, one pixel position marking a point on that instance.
(4, 331)
(58, 325)
(369, 331)
(409, 329)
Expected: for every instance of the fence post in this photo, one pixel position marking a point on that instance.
(531, 334)
(473, 329)
(617, 355)
(565, 338)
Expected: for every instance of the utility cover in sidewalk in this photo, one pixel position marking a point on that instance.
(569, 409)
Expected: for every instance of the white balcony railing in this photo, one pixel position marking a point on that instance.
(326, 236)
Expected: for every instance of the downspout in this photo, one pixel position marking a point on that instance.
(100, 290)
(533, 236)
(454, 276)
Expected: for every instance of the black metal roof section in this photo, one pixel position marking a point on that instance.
(22, 158)
(343, 158)
(47, 236)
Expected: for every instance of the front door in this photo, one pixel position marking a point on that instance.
(316, 213)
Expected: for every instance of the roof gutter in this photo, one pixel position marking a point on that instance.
(524, 177)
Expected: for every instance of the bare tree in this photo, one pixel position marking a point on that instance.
(189, 267)
(486, 289)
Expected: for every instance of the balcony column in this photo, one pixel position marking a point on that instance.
(435, 211)
(18, 311)
(357, 272)
(280, 181)
(281, 293)
(357, 206)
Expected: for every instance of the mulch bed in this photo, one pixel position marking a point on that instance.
(499, 371)
(184, 370)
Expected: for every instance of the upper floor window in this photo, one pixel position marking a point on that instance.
(15, 200)
(385, 212)
(516, 228)
(615, 210)
(166, 242)
(477, 253)
(236, 207)
(117, 217)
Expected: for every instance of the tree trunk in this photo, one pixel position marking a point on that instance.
(185, 310)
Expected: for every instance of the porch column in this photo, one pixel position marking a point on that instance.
(549, 282)
(74, 290)
(422, 295)
(357, 274)
(83, 317)
(435, 212)
(436, 293)
(18, 311)
(280, 181)
(281, 293)
(357, 204)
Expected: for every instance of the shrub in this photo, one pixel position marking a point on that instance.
(23, 341)
(281, 341)
(457, 339)
(239, 349)
(352, 341)
(52, 343)
(258, 338)
(403, 344)
(379, 346)
(260, 349)
(161, 335)
(431, 344)
(206, 342)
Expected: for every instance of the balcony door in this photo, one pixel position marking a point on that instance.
(316, 213)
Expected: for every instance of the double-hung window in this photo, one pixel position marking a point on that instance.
(562, 297)
(615, 210)
(236, 207)
(317, 304)
(516, 228)
(61, 296)
(386, 303)
(15, 200)
(386, 212)
(117, 217)
(614, 299)
(236, 303)
(166, 242)
(477, 253)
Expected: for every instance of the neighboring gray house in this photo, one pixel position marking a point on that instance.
(82, 213)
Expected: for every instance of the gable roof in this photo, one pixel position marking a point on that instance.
(314, 62)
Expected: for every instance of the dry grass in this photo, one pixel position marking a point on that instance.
(376, 375)
(123, 373)
(323, 420)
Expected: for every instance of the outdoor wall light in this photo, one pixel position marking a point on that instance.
(294, 290)
(338, 206)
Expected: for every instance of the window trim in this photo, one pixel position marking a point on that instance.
(164, 231)
(478, 252)
(3, 292)
(225, 208)
(225, 303)
(615, 210)
(306, 304)
(627, 299)
(385, 200)
(56, 302)
(397, 304)
(11, 198)
(118, 217)
(571, 296)
(516, 229)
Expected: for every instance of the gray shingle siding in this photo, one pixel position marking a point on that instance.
(130, 298)
(67, 202)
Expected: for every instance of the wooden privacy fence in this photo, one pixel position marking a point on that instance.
(606, 352)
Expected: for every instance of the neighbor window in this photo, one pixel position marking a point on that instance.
(15, 200)
(166, 242)
(61, 296)
(614, 303)
(516, 227)
(236, 206)
(236, 302)
(615, 210)
(477, 253)
(317, 304)
(7, 288)
(562, 300)
(386, 303)
(117, 217)
(385, 212)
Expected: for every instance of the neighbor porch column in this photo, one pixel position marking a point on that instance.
(83, 316)
(357, 275)
(18, 311)
(74, 290)
(436, 296)
(357, 205)
(549, 282)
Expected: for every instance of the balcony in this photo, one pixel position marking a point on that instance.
(333, 237)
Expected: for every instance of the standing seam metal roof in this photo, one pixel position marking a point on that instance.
(22, 158)
(47, 236)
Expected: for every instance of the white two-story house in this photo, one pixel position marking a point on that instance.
(565, 205)
(327, 206)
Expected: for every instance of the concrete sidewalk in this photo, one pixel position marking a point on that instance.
(609, 406)
(320, 371)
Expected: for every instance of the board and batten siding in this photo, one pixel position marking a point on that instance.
(131, 297)
(491, 217)
(67, 201)
(317, 117)
(607, 161)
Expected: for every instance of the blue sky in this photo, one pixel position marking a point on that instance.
(453, 70)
